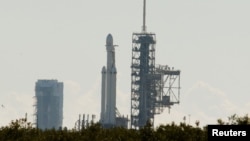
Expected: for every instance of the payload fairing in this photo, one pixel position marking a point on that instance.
(108, 90)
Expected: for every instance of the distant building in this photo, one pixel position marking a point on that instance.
(49, 104)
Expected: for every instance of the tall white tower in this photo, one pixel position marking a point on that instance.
(108, 100)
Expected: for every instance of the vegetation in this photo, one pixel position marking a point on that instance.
(21, 130)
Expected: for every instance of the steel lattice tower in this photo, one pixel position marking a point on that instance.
(142, 88)
(152, 87)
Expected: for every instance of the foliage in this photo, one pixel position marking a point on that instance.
(235, 120)
(21, 130)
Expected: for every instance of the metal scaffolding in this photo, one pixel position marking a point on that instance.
(142, 86)
(152, 87)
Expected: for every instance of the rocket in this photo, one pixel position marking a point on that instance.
(108, 90)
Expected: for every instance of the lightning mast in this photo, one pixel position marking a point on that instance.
(144, 16)
(151, 86)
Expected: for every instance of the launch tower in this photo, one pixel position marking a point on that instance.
(153, 87)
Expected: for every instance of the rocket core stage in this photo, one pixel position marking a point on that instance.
(108, 96)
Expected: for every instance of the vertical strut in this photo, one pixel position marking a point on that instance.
(144, 17)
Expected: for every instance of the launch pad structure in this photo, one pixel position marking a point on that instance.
(153, 87)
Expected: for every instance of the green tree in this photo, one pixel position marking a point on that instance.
(235, 120)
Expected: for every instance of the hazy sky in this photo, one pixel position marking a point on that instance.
(208, 40)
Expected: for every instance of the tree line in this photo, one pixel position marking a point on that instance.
(21, 130)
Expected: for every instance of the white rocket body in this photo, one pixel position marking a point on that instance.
(108, 98)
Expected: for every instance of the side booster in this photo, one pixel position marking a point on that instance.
(108, 90)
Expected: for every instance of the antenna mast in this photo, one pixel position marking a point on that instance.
(144, 16)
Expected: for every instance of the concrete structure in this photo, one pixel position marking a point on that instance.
(108, 90)
(49, 104)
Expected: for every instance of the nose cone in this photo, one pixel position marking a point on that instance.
(109, 40)
(104, 69)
